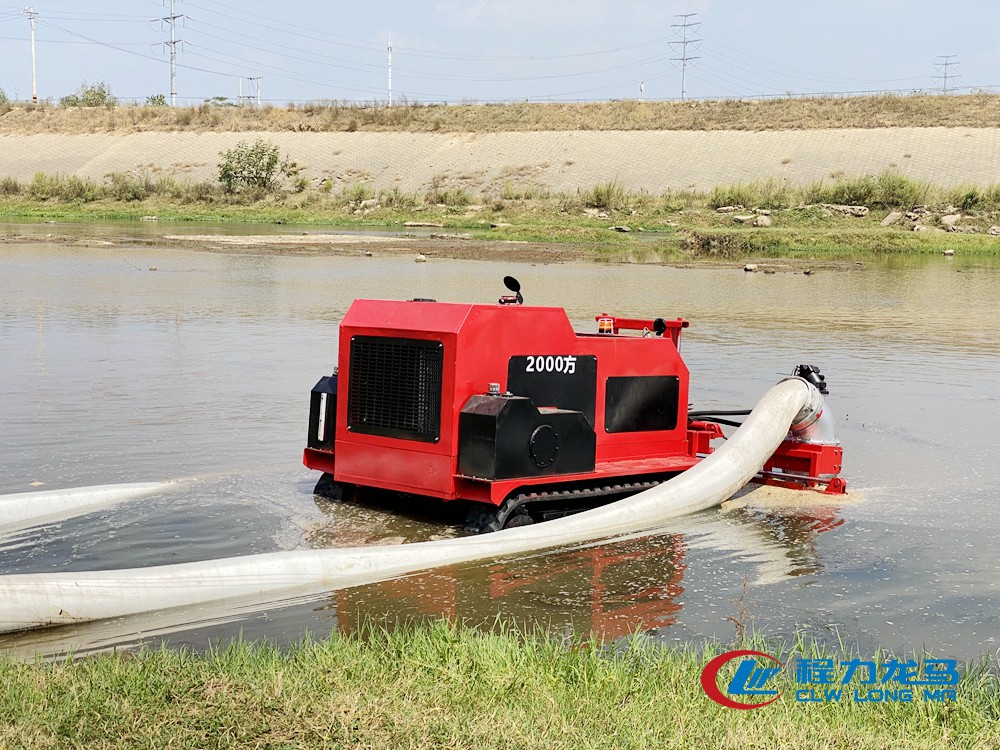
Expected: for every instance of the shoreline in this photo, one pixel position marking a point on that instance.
(437, 248)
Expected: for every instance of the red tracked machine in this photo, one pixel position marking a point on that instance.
(506, 407)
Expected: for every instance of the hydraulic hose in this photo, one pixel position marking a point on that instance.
(42, 599)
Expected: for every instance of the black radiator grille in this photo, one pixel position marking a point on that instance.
(394, 387)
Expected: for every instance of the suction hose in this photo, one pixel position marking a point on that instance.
(41, 599)
(31, 508)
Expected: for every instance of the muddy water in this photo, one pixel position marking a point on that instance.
(201, 370)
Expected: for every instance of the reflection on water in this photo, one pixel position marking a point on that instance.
(607, 590)
(202, 369)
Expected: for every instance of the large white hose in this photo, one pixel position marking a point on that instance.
(32, 508)
(40, 599)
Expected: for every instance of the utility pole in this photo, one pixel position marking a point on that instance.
(172, 44)
(32, 15)
(943, 66)
(684, 58)
(388, 51)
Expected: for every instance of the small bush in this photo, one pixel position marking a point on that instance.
(129, 187)
(10, 186)
(762, 194)
(967, 198)
(888, 190)
(893, 190)
(92, 95)
(196, 192)
(357, 192)
(674, 201)
(991, 195)
(510, 192)
(79, 190)
(253, 167)
(449, 196)
(156, 100)
(43, 187)
(396, 198)
(610, 196)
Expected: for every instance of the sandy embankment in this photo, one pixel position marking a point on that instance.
(654, 161)
(483, 163)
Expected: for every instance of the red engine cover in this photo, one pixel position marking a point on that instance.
(393, 434)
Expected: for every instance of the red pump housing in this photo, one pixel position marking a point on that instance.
(504, 405)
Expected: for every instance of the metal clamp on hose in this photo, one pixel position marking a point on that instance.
(814, 423)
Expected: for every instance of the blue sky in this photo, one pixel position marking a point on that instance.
(499, 50)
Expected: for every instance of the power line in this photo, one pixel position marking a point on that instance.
(117, 48)
(74, 41)
(684, 58)
(426, 75)
(352, 42)
(789, 72)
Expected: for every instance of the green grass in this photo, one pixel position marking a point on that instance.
(769, 193)
(886, 190)
(443, 686)
(682, 223)
(832, 244)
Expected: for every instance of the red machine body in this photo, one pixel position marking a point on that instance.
(506, 406)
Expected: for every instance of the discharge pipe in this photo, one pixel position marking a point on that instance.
(33, 508)
(42, 599)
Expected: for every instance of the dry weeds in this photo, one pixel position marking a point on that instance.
(878, 111)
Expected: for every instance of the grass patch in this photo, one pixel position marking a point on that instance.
(610, 196)
(759, 194)
(836, 244)
(444, 686)
(797, 222)
(886, 190)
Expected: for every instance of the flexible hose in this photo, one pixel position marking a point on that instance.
(31, 508)
(40, 599)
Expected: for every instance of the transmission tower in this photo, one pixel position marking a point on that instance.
(684, 59)
(946, 62)
(253, 91)
(388, 52)
(172, 19)
(255, 87)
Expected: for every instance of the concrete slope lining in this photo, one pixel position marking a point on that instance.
(556, 161)
(44, 599)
